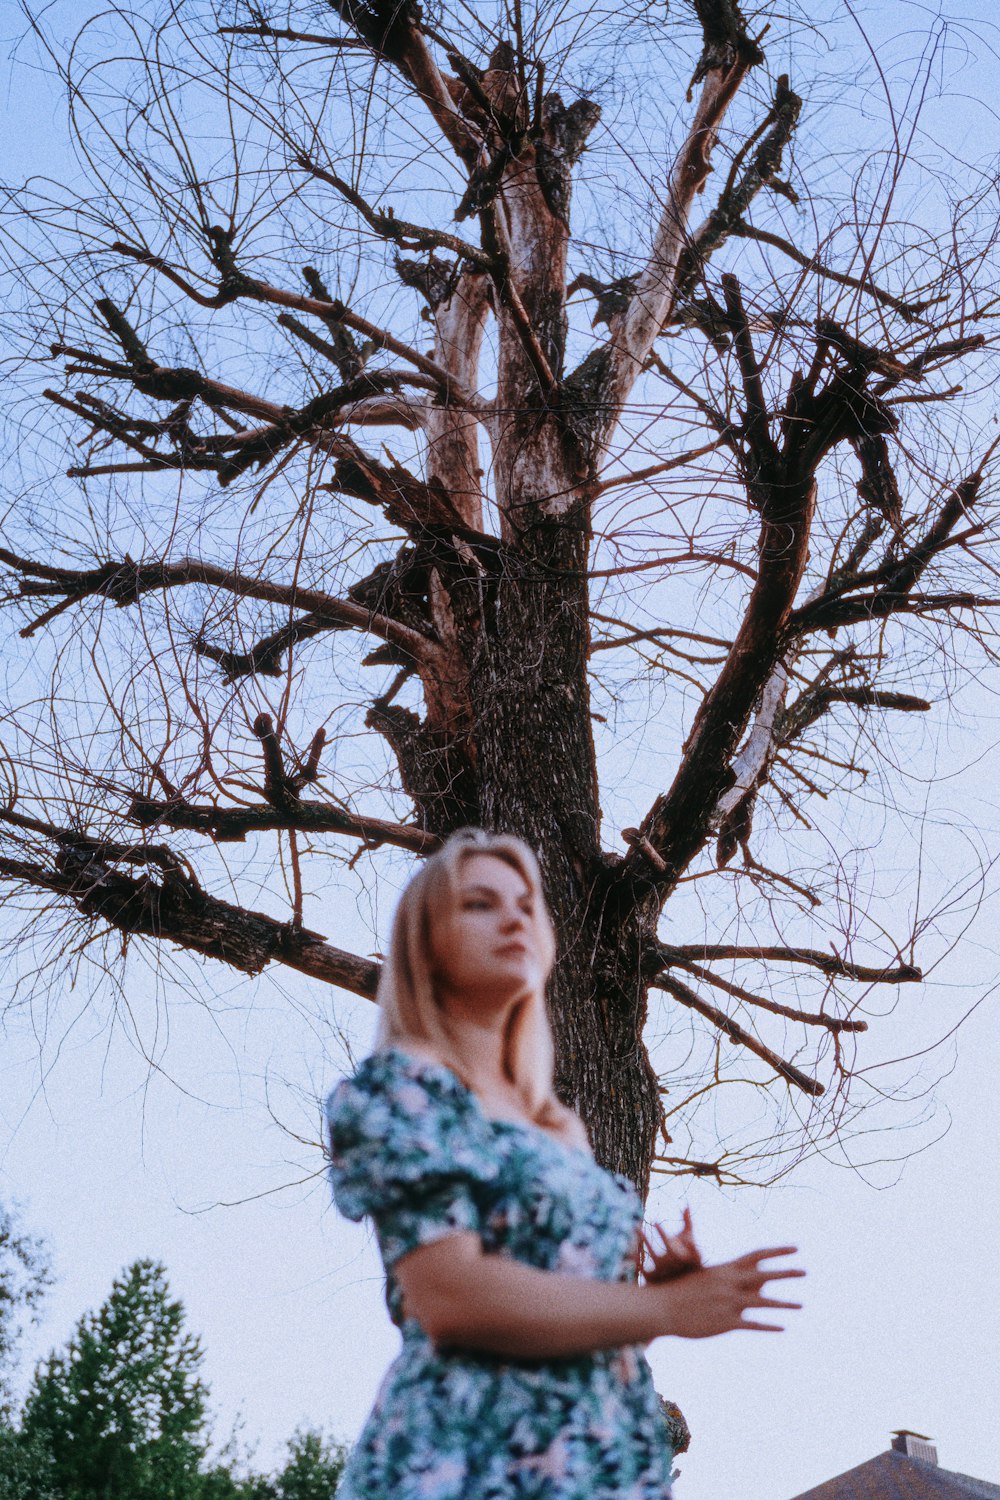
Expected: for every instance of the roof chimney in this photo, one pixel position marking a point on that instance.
(914, 1445)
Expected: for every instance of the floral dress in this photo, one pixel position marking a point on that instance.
(412, 1149)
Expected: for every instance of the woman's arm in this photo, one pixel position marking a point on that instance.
(464, 1298)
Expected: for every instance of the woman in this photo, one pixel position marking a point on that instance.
(510, 1256)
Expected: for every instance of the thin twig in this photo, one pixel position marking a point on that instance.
(736, 1033)
(737, 992)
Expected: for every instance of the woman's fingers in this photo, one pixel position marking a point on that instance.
(674, 1250)
(761, 1278)
(756, 1276)
(774, 1302)
(673, 1244)
(760, 1327)
(754, 1257)
(755, 1284)
(684, 1232)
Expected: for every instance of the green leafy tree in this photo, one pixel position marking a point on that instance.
(232, 1476)
(24, 1276)
(122, 1412)
(25, 1467)
(313, 1469)
(220, 1483)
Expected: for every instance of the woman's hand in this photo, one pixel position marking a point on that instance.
(676, 1254)
(713, 1299)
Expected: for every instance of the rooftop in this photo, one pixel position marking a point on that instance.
(899, 1475)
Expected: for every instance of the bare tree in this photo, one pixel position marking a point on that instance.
(341, 379)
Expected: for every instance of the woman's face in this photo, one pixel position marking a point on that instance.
(488, 946)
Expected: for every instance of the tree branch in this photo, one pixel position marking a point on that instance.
(230, 453)
(640, 476)
(775, 727)
(728, 56)
(164, 383)
(835, 1024)
(103, 418)
(264, 657)
(124, 583)
(738, 195)
(507, 294)
(896, 577)
(734, 809)
(459, 307)
(282, 34)
(736, 1033)
(828, 963)
(402, 233)
(887, 602)
(408, 502)
(911, 311)
(756, 427)
(174, 908)
(392, 30)
(259, 447)
(233, 824)
(379, 336)
(812, 704)
(387, 411)
(785, 495)
(237, 285)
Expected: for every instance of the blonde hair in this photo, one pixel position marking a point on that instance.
(410, 1011)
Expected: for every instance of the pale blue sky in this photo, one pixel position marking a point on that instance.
(901, 1321)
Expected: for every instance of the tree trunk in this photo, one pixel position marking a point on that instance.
(537, 778)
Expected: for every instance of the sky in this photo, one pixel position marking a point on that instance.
(112, 1161)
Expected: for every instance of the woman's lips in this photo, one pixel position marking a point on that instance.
(507, 950)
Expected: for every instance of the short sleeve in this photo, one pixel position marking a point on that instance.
(410, 1149)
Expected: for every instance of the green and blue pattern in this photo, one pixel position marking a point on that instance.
(412, 1150)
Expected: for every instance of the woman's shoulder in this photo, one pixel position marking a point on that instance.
(398, 1121)
(395, 1086)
